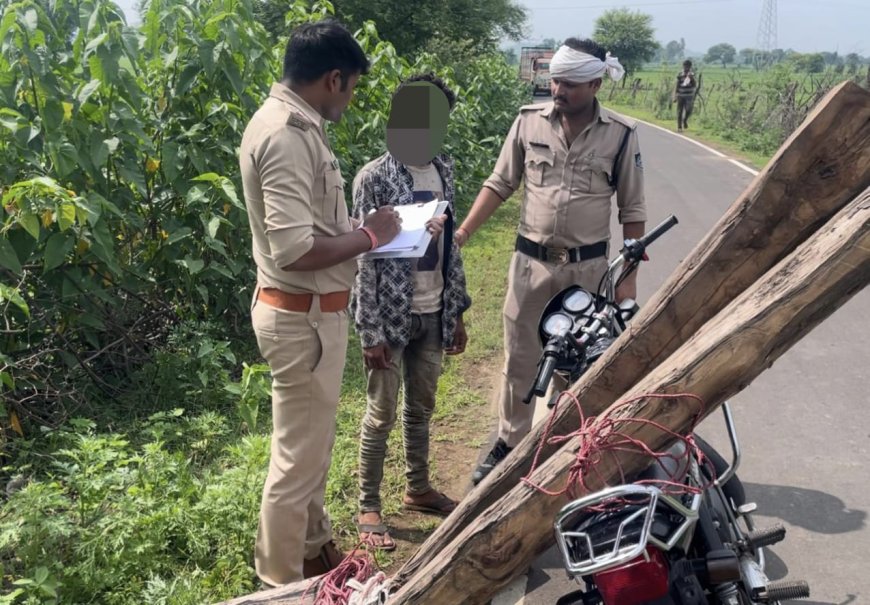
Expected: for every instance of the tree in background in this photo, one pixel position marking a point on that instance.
(551, 43)
(673, 51)
(627, 35)
(852, 60)
(747, 56)
(722, 52)
(413, 26)
(813, 63)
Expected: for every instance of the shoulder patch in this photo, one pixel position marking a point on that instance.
(535, 106)
(297, 121)
(629, 123)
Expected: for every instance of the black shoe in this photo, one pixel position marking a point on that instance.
(499, 452)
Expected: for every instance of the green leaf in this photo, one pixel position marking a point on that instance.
(6, 378)
(193, 265)
(8, 257)
(56, 249)
(213, 226)
(93, 44)
(231, 71)
(52, 114)
(169, 164)
(104, 246)
(209, 177)
(87, 319)
(230, 192)
(66, 216)
(178, 235)
(14, 296)
(64, 157)
(87, 90)
(30, 222)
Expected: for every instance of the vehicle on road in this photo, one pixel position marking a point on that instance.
(535, 67)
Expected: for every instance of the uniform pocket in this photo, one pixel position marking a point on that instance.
(334, 208)
(286, 339)
(539, 160)
(597, 175)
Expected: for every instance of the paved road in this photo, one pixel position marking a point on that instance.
(804, 424)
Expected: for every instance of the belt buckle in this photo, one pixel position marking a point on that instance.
(558, 255)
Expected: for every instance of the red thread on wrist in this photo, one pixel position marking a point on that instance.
(373, 239)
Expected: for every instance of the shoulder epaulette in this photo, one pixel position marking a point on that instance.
(535, 106)
(629, 123)
(297, 121)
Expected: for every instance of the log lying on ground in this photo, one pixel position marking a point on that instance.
(297, 593)
(721, 359)
(822, 166)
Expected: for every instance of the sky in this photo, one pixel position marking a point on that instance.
(803, 25)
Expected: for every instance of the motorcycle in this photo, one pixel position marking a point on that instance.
(645, 542)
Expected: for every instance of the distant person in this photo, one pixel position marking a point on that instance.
(305, 248)
(684, 93)
(572, 155)
(407, 311)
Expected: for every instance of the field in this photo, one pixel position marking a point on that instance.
(750, 111)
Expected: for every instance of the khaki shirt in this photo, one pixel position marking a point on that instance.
(293, 191)
(567, 197)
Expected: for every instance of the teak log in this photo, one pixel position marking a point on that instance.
(820, 168)
(721, 359)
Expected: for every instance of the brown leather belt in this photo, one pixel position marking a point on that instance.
(331, 302)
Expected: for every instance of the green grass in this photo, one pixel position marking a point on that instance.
(699, 130)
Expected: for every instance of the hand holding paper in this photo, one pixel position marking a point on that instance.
(412, 240)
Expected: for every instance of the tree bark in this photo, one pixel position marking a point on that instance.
(297, 593)
(723, 357)
(820, 168)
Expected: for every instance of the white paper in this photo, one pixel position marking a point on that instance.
(414, 238)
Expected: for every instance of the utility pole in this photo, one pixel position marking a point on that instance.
(767, 32)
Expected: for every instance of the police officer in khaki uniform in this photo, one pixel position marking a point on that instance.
(305, 247)
(573, 155)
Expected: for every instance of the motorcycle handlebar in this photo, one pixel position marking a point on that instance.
(659, 230)
(542, 380)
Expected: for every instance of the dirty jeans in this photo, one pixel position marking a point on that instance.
(416, 366)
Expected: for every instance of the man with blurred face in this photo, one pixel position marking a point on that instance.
(407, 311)
(572, 155)
(305, 247)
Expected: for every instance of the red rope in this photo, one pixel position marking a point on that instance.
(606, 435)
(333, 588)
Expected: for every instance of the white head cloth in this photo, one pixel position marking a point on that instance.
(579, 67)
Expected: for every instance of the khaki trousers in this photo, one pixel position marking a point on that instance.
(306, 352)
(531, 285)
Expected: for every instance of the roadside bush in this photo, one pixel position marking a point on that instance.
(133, 449)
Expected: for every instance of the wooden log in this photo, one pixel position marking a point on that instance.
(720, 360)
(822, 166)
(297, 593)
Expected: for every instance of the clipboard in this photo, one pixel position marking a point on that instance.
(413, 240)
